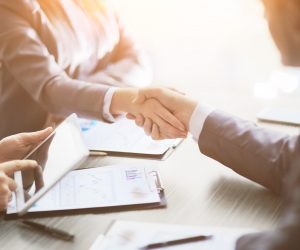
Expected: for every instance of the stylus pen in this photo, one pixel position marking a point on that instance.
(97, 153)
(49, 230)
(176, 242)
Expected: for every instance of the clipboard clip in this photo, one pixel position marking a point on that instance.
(157, 180)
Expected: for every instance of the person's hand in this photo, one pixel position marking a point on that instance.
(18, 146)
(124, 100)
(179, 105)
(7, 184)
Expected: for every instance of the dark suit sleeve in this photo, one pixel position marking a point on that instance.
(287, 235)
(267, 157)
(258, 154)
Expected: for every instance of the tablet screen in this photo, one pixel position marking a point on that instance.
(61, 152)
(33, 180)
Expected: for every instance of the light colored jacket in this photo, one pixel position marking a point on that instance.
(46, 71)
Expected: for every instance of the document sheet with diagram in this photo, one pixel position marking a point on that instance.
(108, 186)
(123, 137)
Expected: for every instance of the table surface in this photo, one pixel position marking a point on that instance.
(199, 191)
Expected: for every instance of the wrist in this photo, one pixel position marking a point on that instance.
(122, 101)
(198, 118)
(190, 108)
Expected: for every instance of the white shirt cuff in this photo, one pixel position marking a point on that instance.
(106, 105)
(198, 118)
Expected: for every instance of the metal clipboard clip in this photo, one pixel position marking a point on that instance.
(158, 183)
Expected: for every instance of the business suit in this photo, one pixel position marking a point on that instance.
(63, 67)
(269, 158)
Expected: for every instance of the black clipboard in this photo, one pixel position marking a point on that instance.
(99, 210)
(165, 155)
(97, 136)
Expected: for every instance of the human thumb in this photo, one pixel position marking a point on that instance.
(36, 137)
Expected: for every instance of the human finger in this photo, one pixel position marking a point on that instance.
(130, 116)
(148, 126)
(140, 120)
(170, 118)
(10, 167)
(3, 203)
(34, 138)
(5, 192)
(38, 177)
(156, 135)
(169, 130)
(5, 195)
(11, 184)
(155, 132)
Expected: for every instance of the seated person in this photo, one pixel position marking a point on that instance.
(61, 57)
(12, 150)
(269, 158)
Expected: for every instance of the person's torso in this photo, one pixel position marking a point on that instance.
(82, 43)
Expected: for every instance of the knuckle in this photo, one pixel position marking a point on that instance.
(18, 164)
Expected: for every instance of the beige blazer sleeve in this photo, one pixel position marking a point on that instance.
(25, 57)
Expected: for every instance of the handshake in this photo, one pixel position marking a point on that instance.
(162, 112)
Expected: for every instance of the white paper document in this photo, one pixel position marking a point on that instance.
(127, 235)
(122, 136)
(280, 115)
(107, 186)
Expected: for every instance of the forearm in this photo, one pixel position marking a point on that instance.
(256, 153)
(63, 96)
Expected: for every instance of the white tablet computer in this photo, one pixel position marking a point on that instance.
(61, 152)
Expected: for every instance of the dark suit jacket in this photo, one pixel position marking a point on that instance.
(269, 158)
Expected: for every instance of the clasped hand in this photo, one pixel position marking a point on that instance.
(163, 113)
(176, 103)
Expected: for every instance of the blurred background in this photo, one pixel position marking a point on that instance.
(207, 43)
(205, 46)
